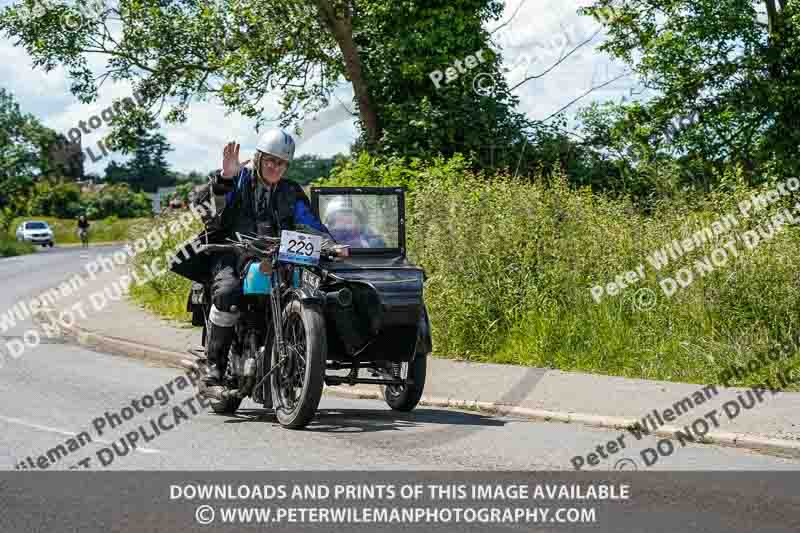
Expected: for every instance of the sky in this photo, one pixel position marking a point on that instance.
(540, 32)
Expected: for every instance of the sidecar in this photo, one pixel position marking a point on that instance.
(377, 326)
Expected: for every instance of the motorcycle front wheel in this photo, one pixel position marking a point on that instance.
(298, 380)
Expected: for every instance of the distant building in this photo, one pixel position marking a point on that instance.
(90, 186)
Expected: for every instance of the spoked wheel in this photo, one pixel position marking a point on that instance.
(406, 397)
(298, 381)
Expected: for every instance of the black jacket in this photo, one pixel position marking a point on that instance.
(242, 214)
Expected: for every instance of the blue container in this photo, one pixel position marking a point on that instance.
(256, 282)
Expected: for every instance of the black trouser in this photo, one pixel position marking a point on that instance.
(226, 293)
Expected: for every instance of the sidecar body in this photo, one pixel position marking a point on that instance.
(385, 321)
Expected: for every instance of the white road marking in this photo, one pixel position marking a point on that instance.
(67, 433)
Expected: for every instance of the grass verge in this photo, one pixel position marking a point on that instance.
(11, 248)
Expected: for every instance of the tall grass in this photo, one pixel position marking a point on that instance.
(511, 264)
(11, 248)
(166, 294)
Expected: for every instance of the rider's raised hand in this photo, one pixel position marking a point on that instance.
(230, 160)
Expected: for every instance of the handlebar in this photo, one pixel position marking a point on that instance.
(246, 247)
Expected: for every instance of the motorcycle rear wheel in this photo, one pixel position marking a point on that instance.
(298, 382)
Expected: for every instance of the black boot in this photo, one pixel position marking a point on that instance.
(217, 346)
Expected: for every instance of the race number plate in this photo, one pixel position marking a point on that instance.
(300, 248)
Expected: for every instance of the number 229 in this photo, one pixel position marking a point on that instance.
(301, 248)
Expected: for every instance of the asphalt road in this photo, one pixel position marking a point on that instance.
(56, 394)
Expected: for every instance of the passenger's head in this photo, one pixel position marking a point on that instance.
(344, 221)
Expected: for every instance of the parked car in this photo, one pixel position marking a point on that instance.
(36, 232)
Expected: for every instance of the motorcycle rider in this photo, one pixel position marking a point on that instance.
(254, 199)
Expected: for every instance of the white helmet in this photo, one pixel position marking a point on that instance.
(342, 205)
(278, 143)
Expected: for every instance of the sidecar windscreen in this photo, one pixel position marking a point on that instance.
(369, 220)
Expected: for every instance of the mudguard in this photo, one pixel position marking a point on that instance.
(306, 295)
(424, 340)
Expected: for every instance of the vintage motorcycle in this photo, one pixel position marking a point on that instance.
(361, 313)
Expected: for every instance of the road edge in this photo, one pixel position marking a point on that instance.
(173, 359)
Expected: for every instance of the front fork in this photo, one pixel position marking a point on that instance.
(277, 320)
(277, 325)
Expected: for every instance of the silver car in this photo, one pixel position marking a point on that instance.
(36, 232)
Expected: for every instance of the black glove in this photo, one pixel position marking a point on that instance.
(221, 184)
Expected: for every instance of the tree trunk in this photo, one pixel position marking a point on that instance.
(772, 15)
(342, 29)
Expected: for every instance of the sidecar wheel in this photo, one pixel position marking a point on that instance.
(405, 398)
(297, 384)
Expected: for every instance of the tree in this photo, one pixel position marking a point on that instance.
(726, 83)
(242, 50)
(308, 168)
(21, 149)
(407, 49)
(148, 169)
(238, 51)
(116, 173)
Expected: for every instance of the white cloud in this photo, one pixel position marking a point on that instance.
(542, 32)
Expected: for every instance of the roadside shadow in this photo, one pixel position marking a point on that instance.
(371, 420)
(349, 421)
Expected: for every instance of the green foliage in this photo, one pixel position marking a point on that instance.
(380, 171)
(148, 169)
(61, 200)
(21, 145)
(386, 49)
(117, 201)
(10, 248)
(65, 200)
(182, 52)
(510, 265)
(308, 168)
(726, 88)
(402, 43)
